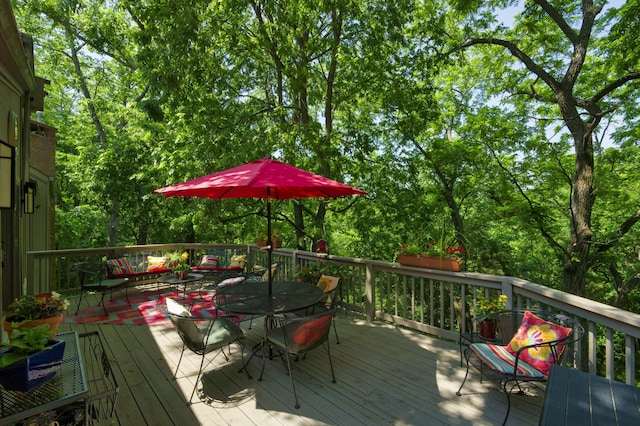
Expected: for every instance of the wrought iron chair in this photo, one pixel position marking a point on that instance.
(329, 285)
(261, 277)
(297, 336)
(539, 339)
(204, 335)
(92, 278)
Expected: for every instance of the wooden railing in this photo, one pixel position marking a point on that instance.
(427, 300)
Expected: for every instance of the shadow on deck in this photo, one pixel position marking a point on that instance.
(385, 375)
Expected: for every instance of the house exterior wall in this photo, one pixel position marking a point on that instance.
(17, 87)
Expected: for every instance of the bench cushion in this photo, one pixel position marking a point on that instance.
(106, 284)
(238, 261)
(118, 267)
(499, 359)
(156, 262)
(209, 261)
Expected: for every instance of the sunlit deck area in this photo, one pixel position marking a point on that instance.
(386, 375)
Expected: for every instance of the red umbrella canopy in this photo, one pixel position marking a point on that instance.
(264, 178)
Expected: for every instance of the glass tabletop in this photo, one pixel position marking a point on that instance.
(254, 298)
(171, 279)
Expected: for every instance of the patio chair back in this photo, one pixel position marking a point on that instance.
(532, 340)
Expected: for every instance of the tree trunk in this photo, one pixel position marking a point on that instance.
(582, 198)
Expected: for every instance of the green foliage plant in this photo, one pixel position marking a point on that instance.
(181, 267)
(30, 307)
(25, 342)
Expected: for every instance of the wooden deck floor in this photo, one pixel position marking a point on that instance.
(385, 375)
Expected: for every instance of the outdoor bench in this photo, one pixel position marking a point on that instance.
(120, 268)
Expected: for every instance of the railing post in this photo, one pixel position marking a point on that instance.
(507, 289)
(370, 293)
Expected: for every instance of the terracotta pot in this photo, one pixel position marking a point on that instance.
(488, 330)
(433, 262)
(275, 243)
(182, 275)
(53, 322)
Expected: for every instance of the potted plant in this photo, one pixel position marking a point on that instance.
(261, 239)
(182, 270)
(487, 310)
(175, 258)
(432, 255)
(32, 358)
(31, 311)
(307, 275)
(276, 240)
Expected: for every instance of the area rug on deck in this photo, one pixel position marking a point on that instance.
(147, 308)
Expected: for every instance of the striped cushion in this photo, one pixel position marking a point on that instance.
(231, 281)
(209, 261)
(499, 359)
(119, 266)
(238, 261)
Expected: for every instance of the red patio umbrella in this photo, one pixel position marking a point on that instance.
(266, 178)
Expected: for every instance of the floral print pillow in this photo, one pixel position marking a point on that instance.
(536, 331)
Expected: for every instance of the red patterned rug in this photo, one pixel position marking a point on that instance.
(147, 308)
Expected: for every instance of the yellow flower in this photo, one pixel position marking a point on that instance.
(487, 306)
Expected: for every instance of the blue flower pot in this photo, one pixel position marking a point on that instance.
(33, 370)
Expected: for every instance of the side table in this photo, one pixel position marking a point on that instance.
(172, 280)
(68, 386)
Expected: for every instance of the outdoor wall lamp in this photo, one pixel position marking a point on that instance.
(7, 164)
(29, 196)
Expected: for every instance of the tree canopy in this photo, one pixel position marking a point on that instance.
(512, 125)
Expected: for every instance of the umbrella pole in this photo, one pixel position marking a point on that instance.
(269, 242)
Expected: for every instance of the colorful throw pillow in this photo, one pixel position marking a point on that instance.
(327, 283)
(176, 308)
(231, 281)
(209, 261)
(311, 331)
(238, 261)
(274, 271)
(156, 262)
(536, 331)
(119, 266)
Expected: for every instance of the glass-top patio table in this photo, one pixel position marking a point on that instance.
(254, 299)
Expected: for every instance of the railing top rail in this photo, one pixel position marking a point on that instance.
(606, 315)
(609, 316)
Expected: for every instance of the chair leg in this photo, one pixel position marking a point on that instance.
(195, 385)
(79, 302)
(179, 361)
(264, 358)
(466, 374)
(508, 392)
(333, 376)
(293, 386)
(104, 307)
(244, 366)
(335, 330)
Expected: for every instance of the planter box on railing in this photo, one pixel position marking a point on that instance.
(433, 262)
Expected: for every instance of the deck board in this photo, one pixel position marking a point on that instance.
(386, 375)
